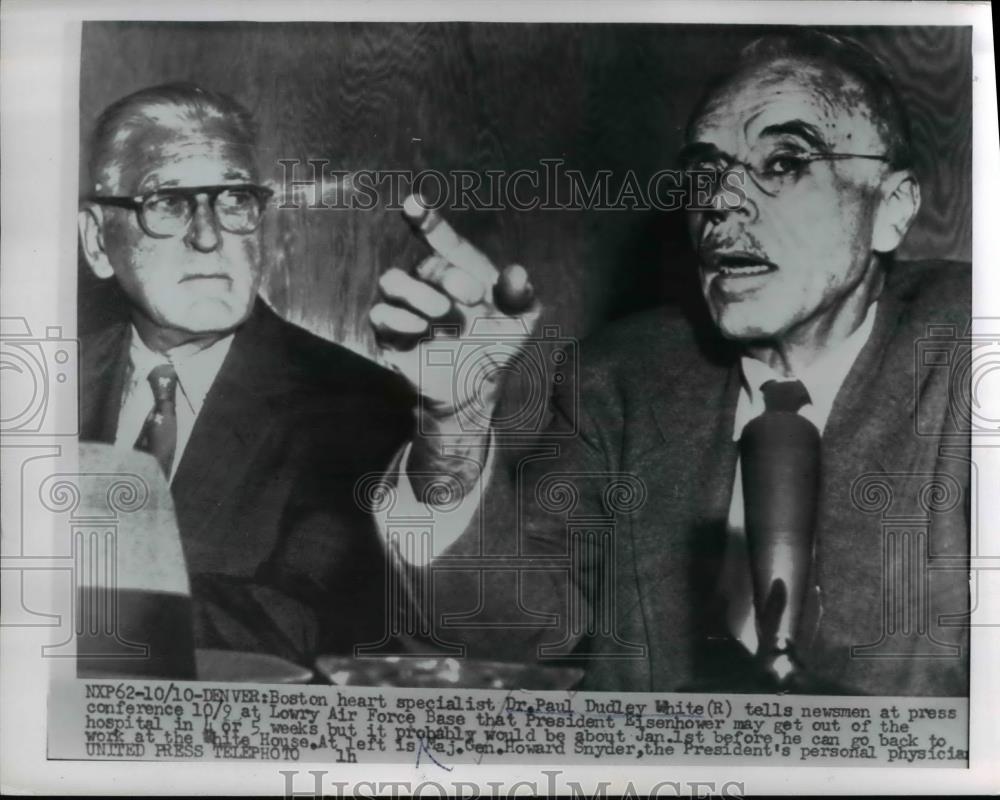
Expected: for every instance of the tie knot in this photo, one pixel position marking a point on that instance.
(163, 380)
(785, 395)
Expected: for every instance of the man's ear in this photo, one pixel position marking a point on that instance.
(91, 223)
(897, 210)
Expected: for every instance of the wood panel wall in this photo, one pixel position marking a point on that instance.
(498, 97)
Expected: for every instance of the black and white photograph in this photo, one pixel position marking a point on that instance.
(542, 392)
(831, 233)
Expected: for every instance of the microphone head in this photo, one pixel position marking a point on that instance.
(780, 469)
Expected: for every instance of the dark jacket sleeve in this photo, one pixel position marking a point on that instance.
(318, 585)
(519, 584)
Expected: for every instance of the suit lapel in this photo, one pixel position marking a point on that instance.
(239, 412)
(870, 429)
(103, 368)
(680, 538)
(874, 407)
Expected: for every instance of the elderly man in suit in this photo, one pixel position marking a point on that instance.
(805, 147)
(262, 428)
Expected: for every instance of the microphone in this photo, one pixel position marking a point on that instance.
(780, 458)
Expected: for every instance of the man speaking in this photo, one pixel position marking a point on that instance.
(756, 552)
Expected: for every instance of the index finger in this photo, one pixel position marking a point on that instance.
(447, 243)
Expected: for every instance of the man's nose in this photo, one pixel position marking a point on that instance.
(203, 232)
(730, 196)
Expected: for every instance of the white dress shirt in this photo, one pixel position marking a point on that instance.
(822, 379)
(448, 526)
(196, 372)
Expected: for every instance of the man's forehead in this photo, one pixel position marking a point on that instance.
(177, 154)
(766, 97)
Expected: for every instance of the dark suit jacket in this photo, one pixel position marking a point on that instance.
(281, 557)
(656, 407)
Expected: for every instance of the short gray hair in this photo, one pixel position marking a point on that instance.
(154, 106)
(841, 53)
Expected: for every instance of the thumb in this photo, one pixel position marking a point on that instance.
(513, 292)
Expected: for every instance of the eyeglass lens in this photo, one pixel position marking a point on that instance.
(770, 169)
(169, 213)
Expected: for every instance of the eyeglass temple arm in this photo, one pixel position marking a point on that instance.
(841, 156)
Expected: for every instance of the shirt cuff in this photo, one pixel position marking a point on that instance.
(419, 532)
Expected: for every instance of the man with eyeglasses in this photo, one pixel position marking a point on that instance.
(261, 428)
(790, 416)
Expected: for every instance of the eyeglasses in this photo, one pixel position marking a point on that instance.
(168, 212)
(771, 171)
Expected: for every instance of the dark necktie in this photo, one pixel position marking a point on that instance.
(780, 458)
(159, 433)
(788, 396)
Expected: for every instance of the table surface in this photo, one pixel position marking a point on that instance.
(414, 672)
(235, 666)
(445, 673)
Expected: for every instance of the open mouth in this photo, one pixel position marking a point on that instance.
(742, 265)
(206, 277)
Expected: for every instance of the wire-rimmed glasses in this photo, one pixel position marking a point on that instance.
(770, 170)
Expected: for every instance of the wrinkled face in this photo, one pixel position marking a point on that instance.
(199, 282)
(801, 241)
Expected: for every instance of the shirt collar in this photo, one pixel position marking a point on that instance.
(195, 371)
(822, 378)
